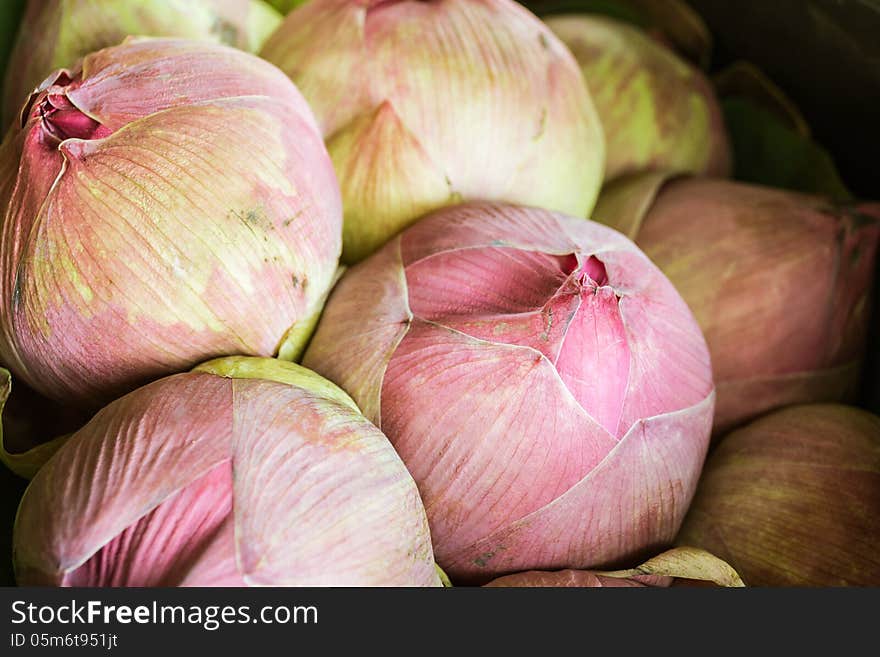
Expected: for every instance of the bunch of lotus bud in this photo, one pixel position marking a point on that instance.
(246, 471)
(792, 499)
(545, 384)
(681, 566)
(780, 283)
(426, 104)
(56, 33)
(658, 112)
(137, 241)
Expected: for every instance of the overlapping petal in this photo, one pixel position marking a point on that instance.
(543, 381)
(426, 104)
(245, 472)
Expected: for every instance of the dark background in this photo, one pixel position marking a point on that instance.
(825, 55)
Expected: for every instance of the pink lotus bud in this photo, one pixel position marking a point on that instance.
(543, 381)
(56, 33)
(658, 112)
(793, 499)
(246, 471)
(779, 282)
(678, 566)
(168, 202)
(426, 104)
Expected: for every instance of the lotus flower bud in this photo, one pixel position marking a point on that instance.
(56, 33)
(658, 112)
(682, 563)
(246, 471)
(168, 202)
(542, 380)
(779, 281)
(426, 104)
(793, 499)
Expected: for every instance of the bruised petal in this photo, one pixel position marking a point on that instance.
(658, 112)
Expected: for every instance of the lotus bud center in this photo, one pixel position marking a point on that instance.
(62, 120)
(593, 273)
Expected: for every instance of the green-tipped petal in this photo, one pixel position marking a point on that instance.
(271, 369)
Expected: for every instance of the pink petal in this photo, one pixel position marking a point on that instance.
(489, 432)
(494, 97)
(477, 224)
(561, 578)
(387, 180)
(634, 501)
(218, 565)
(133, 456)
(595, 358)
(147, 75)
(24, 183)
(160, 548)
(360, 330)
(745, 398)
(332, 77)
(501, 295)
(321, 498)
(484, 281)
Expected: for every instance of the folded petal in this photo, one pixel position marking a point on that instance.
(634, 501)
(321, 498)
(133, 456)
(160, 547)
(535, 440)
